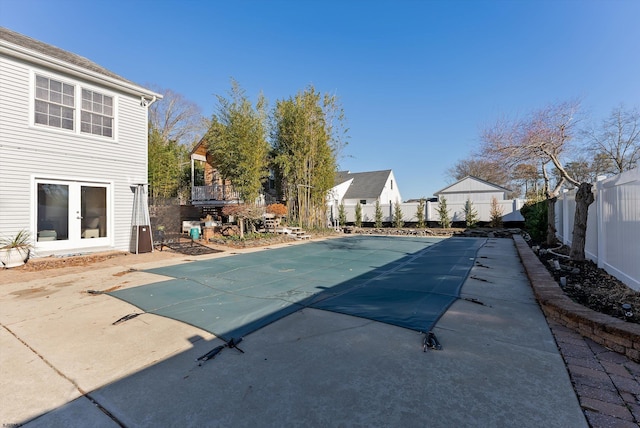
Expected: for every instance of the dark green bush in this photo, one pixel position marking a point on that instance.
(535, 219)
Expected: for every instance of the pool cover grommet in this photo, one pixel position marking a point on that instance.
(431, 341)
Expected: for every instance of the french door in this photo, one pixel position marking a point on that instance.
(72, 214)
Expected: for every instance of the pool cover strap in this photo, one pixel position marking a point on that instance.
(233, 343)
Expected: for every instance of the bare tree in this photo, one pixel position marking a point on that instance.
(544, 137)
(526, 175)
(174, 125)
(177, 119)
(617, 139)
(493, 172)
(582, 169)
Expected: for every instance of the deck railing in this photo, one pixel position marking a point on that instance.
(226, 193)
(214, 193)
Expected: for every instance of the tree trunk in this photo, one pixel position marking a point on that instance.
(584, 198)
(551, 220)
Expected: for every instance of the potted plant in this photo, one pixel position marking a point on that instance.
(15, 251)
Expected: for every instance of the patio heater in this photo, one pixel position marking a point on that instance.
(141, 238)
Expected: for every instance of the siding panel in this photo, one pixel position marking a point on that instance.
(28, 151)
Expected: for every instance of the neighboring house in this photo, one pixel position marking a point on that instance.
(472, 188)
(73, 147)
(366, 188)
(209, 190)
(480, 193)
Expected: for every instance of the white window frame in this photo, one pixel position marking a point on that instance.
(50, 103)
(52, 247)
(93, 113)
(77, 114)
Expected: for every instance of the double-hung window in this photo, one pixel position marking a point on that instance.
(96, 114)
(54, 103)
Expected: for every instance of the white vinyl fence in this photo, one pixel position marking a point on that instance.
(613, 226)
(510, 211)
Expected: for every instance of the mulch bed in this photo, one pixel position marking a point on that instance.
(591, 286)
(35, 265)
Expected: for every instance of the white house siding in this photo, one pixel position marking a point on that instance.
(27, 151)
(476, 197)
(470, 184)
(337, 193)
(470, 187)
(391, 191)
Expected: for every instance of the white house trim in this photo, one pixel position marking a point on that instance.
(46, 61)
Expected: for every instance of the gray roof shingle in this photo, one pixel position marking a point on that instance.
(365, 184)
(57, 53)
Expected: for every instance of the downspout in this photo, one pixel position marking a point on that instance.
(146, 104)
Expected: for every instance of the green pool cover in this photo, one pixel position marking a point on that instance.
(408, 282)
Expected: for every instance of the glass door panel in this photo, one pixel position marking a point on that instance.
(93, 209)
(53, 212)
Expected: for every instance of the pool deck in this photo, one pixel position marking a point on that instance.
(63, 363)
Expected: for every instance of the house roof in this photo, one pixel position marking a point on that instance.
(486, 186)
(25, 47)
(365, 184)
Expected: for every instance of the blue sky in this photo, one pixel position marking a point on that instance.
(418, 80)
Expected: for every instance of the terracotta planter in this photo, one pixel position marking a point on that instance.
(14, 257)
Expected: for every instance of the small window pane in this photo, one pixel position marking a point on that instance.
(108, 101)
(95, 129)
(68, 90)
(56, 86)
(42, 93)
(108, 132)
(97, 108)
(41, 118)
(108, 111)
(56, 97)
(67, 123)
(54, 121)
(86, 105)
(67, 100)
(67, 113)
(85, 127)
(54, 110)
(42, 82)
(41, 107)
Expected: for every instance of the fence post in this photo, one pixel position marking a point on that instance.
(601, 235)
(565, 217)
